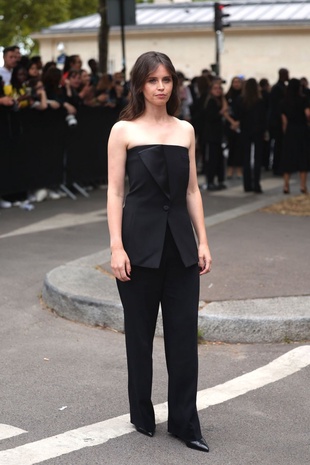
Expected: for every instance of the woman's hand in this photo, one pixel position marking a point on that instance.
(120, 265)
(6, 101)
(70, 108)
(205, 260)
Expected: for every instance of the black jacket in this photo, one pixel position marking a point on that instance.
(158, 180)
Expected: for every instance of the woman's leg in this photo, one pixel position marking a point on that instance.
(140, 298)
(303, 182)
(258, 153)
(286, 179)
(247, 171)
(180, 315)
(210, 163)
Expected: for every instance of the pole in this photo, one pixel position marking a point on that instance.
(122, 21)
(217, 52)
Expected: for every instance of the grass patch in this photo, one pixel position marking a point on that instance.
(295, 206)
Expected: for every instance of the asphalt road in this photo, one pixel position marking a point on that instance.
(63, 384)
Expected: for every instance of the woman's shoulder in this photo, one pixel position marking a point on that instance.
(121, 126)
(183, 124)
(119, 131)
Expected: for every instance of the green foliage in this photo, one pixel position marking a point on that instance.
(21, 17)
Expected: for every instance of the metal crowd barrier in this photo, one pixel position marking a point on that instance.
(39, 150)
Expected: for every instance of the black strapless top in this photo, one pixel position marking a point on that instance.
(158, 177)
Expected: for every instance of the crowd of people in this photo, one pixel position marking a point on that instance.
(28, 83)
(252, 126)
(261, 126)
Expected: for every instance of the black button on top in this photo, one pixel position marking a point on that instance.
(166, 208)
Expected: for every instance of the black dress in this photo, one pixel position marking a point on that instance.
(253, 123)
(235, 155)
(214, 130)
(295, 147)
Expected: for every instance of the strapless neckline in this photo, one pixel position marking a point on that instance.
(156, 145)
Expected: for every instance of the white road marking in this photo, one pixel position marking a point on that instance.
(99, 433)
(66, 220)
(8, 431)
(63, 220)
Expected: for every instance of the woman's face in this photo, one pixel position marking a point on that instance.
(158, 86)
(216, 89)
(77, 63)
(75, 80)
(33, 71)
(236, 84)
(21, 75)
(85, 78)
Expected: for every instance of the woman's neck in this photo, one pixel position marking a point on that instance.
(156, 114)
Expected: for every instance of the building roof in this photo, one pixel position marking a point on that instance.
(243, 13)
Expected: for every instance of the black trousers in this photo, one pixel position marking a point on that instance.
(251, 177)
(177, 289)
(214, 162)
(276, 136)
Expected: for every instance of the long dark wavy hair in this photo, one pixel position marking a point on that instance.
(250, 93)
(146, 64)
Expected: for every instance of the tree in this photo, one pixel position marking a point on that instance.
(18, 18)
(103, 36)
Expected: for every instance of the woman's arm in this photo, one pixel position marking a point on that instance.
(225, 112)
(195, 209)
(120, 262)
(284, 122)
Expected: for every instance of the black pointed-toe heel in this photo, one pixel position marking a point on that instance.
(198, 444)
(144, 431)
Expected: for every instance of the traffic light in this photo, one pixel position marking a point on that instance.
(219, 15)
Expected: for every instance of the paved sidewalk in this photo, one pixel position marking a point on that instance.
(259, 287)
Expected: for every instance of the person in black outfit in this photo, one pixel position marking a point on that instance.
(277, 95)
(295, 116)
(6, 104)
(265, 93)
(213, 115)
(251, 113)
(203, 86)
(234, 161)
(154, 252)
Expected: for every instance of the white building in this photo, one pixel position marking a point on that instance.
(264, 36)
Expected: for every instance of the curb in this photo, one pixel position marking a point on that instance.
(79, 292)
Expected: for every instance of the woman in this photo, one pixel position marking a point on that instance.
(154, 253)
(56, 94)
(213, 115)
(71, 62)
(234, 161)
(252, 114)
(19, 87)
(33, 71)
(295, 115)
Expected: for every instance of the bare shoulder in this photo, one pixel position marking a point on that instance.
(184, 126)
(184, 132)
(120, 128)
(120, 133)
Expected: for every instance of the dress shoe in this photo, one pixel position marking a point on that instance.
(222, 186)
(144, 431)
(258, 190)
(198, 444)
